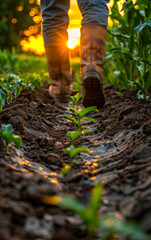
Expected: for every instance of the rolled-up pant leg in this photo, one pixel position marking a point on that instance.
(94, 12)
(55, 21)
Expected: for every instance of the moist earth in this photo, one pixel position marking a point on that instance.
(119, 158)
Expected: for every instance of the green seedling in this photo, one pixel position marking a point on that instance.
(80, 116)
(114, 225)
(73, 152)
(89, 215)
(74, 100)
(91, 219)
(7, 135)
(75, 134)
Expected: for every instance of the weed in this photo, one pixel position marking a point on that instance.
(7, 135)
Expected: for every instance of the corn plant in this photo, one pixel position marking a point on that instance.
(11, 85)
(92, 220)
(73, 151)
(128, 47)
(7, 135)
(80, 116)
(74, 100)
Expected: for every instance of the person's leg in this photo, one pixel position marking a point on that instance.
(93, 41)
(55, 24)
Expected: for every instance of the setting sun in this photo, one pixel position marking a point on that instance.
(74, 38)
(36, 44)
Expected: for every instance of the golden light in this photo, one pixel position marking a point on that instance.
(32, 13)
(20, 8)
(31, 1)
(36, 45)
(14, 20)
(37, 19)
(74, 38)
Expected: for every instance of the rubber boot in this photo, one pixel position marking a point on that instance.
(93, 42)
(59, 72)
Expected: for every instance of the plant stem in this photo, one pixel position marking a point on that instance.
(144, 74)
(131, 73)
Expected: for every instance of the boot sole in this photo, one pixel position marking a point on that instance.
(93, 90)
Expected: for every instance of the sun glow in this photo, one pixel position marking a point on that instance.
(74, 38)
(35, 44)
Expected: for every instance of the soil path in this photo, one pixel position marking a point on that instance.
(120, 158)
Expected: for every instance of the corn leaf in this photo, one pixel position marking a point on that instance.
(84, 111)
(141, 26)
(74, 110)
(77, 151)
(116, 225)
(70, 118)
(65, 169)
(89, 119)
(17, 140)
(74, 135)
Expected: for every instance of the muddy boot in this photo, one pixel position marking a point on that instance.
(59, 72)
(93, 42)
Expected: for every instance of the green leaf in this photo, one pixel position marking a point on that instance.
(127, 5)
(18, 92)
(140, 94)
(113, 224)
(147, 78)
(77, 97)
(141, 26)
(1, 104)
(2, 97)
(89, 119)
(17, 140)
(77, 151)
(74, 110)
(74, 135)
(72, 151)
(77, 162)
(69, 150)
(71, 204)
(6, 136)
(65, 169)
(10, 97)
(95, 199)
(70, 118)
(84, 111)
(139, 2)
(7, 128)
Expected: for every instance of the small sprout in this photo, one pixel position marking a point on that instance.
(74, 100)
(7, 135)
(65, 169)
(90, 216)
(80, 116)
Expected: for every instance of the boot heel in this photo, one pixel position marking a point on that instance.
(92, 90)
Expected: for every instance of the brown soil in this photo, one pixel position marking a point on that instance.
(120, 158)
